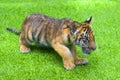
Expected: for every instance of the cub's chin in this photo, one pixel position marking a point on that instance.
(86, 50)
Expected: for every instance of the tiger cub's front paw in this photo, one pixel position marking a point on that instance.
(69, 65)
(81, 61)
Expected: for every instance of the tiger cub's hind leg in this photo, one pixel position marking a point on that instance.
(24, 48)
(81, 61)
(23, 45)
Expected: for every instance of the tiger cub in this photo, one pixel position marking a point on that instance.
(60, 34)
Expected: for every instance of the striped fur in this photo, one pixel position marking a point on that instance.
(60, 34)
(41, 29)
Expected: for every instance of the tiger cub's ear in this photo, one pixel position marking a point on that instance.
(89, 20)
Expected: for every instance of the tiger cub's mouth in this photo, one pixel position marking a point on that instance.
(86, 50)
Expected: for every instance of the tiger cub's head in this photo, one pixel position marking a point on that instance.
(83, 35)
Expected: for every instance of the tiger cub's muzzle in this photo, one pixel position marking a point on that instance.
(89, 49)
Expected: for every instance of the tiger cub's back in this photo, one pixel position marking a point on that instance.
(41, 29)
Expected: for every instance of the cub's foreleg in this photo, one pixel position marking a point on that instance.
(65, 53)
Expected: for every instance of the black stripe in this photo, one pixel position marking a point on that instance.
(41, 31)
(69, 38)
(37, 30)
(46, 32)
(56, 26)
(33, 35)
(35, 26)
(38, 37)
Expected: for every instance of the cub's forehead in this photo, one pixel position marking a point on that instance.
(85, 25)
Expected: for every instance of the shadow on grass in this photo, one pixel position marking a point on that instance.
(46, 51)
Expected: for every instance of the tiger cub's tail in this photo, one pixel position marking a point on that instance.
(14, 30)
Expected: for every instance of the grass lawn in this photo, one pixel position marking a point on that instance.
(46, 64)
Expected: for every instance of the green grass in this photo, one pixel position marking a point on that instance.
(46, 64)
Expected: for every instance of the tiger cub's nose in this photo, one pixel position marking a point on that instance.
(93, 46)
